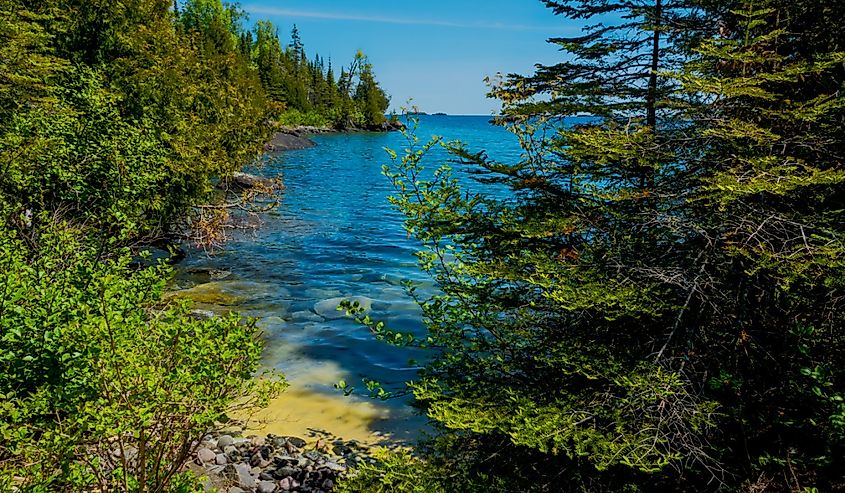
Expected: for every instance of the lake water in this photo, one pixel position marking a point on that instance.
(335, 235)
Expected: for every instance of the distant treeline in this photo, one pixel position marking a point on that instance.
(307, 91)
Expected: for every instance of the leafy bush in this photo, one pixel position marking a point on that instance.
(294, 117)
(114, 124)
(104, 385)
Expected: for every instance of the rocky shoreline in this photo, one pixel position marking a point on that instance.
(272, 464)
(297, 138)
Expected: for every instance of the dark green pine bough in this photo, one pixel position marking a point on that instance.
(658, 303)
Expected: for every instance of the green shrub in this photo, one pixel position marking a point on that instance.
(104, 385)
(294, 117)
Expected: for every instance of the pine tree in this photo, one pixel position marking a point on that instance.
(769, 200)
(556, 302)
(296, 49)
(655, 306)
(370, 98)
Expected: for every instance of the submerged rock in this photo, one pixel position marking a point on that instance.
(229, 294)
(206, 274)
(305, 316)
(210, 293)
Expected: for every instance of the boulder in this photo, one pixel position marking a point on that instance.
(289, 140)
(241, 475)
(201, 315)
(245, 181)
(224, 441)
(266, 486)
(392, 126)
(206, 456)
(296, 442)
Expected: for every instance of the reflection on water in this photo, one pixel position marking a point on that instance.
(334, 236)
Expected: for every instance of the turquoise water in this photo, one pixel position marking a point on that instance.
(335, 235)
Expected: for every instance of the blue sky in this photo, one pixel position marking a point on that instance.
(436, 51)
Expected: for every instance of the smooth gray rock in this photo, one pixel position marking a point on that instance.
(224, 441)
(266, 486)
(235, 489)
(221, 459)
(241, 474)
(205, 455)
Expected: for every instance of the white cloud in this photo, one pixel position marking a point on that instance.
(340, 16)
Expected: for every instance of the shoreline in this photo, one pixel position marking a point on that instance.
(234, 463)
(298, 137)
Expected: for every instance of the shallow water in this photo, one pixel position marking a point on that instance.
(334, 236)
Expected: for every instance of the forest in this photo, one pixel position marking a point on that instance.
(655, 306)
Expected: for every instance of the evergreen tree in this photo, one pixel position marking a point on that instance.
(655, 306)
(555, 300)
(769, 201)
(296, 48)
(370, 98)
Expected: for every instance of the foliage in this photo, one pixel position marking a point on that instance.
(116, 121)
(127, 146)
(770, 199)
(655, 304)
(103, 384)
(294, 118)
(395, 471)
(353, 100)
